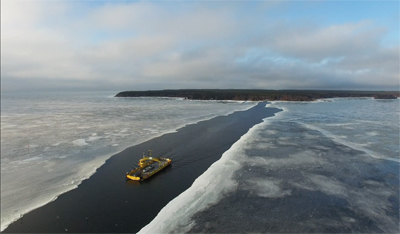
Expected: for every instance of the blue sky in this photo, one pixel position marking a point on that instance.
(384, 13)
(137, 45)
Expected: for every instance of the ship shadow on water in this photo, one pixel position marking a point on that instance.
(132, 182)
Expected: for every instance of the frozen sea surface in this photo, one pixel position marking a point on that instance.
(50, 142)
(327, 166)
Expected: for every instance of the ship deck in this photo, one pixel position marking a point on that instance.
(150, 168)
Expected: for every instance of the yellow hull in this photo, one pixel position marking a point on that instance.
(148, 167)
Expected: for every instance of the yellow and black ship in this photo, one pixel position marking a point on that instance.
(148, 166)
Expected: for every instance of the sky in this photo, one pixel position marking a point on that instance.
(149, 45)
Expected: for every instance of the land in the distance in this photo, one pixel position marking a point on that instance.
(258, 94)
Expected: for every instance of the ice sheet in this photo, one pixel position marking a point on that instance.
(61, 131)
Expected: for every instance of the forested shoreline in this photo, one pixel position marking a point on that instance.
(258, 95)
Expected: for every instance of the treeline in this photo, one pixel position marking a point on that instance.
(257, 95)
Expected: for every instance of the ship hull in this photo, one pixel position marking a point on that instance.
(149, 169)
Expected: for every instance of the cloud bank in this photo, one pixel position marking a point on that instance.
(163, 45)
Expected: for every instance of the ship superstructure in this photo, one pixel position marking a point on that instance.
(148, 166)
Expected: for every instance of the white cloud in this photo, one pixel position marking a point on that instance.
(188, 45)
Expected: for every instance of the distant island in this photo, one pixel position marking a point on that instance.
(385, 96)
(257, 95)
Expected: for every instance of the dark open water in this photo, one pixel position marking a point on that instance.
(106, 202)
